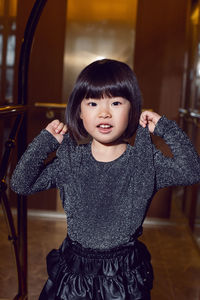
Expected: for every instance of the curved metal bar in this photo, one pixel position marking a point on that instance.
(22, 99)
(21, 247)
(11, 110)
(26, 50)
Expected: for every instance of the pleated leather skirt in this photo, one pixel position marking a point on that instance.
(121, 273)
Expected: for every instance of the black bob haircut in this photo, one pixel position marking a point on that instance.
(103, 78)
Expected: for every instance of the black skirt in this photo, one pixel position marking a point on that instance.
(122, 273)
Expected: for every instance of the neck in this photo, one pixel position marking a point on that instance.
(107, 152)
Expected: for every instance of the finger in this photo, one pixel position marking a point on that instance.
(147, 115)
(59, 128)
(55, 123)
(143, 123)
(52, 125)
(143, 119)
(64, 130)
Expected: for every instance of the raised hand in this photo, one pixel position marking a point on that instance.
(57, 129)
(149, 118)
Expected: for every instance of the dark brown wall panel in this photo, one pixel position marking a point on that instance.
(159, 64)
(159, 53)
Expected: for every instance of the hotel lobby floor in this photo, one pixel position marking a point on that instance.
(175, 257)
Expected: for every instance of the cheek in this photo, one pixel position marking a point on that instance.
(125, 118)
(82, 110)
(85, 120)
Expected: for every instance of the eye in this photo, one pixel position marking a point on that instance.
(116, 103)
(92, 103)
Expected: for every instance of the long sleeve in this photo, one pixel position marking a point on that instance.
(184, 167)
(31, 175)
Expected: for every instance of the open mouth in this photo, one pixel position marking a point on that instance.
(104, 126)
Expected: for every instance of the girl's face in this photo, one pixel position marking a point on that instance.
(105, 119)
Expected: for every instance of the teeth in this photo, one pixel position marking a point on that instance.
(104, 126)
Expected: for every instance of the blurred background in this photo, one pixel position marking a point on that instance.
(159, 40)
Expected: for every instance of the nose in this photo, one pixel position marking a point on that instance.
(105, 113)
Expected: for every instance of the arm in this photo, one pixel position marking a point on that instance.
(31, 174)
(184, 167)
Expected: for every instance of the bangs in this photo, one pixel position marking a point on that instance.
(106, 90)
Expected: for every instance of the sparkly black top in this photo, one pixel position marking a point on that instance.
(106, 202)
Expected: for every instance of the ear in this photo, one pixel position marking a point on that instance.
(80, 115)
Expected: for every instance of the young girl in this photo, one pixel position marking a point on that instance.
(106, 185)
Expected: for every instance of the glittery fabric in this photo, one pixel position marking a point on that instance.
(106, 202)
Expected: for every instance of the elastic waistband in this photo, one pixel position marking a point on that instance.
(75, 247)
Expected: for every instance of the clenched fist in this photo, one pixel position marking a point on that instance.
(57, 129)
(149, 118)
